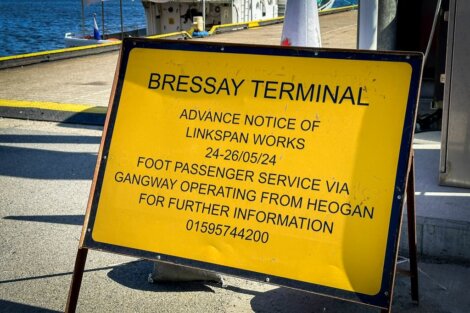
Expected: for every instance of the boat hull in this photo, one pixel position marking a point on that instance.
(72, 41)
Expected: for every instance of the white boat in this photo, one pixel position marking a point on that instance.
(74, 41)
(167, 16)
(325, 4)
(71, 40)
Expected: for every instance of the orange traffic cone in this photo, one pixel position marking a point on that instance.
(301, 24)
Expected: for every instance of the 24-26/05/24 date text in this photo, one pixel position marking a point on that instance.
(241, 156)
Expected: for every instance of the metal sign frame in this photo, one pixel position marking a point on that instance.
(383, 298)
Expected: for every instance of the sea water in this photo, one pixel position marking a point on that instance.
(31, 25)
(28, 26)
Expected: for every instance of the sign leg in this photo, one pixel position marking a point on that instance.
(412, 248)
(76, 280)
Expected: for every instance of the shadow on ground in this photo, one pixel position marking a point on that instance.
(40, 163)
(135, 275)
(46, 164)
(14, 307)
(290, 300)
(54, 219)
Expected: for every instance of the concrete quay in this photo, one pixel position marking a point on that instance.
(45, 175)
(63, 90)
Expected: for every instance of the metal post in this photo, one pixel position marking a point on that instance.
(102, 17)
(203, 15)
(83, 18)
(76, 282)
(122, 21)
(387, 25)
(367, 24)
(411, 216)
